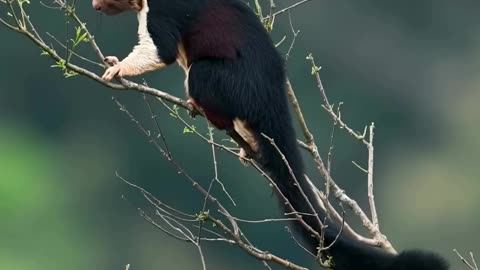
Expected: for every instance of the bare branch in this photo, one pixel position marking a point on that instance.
(264, 256)
(179, 168)
(173, 217)
(339, 193)
(297, 242)
(289, 8)
(371, 197)
(472, 266)
(300, 188)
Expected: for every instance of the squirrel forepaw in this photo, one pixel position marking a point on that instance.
(114, 70)
(111, 60)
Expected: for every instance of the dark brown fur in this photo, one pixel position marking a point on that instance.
(236, 78)
(113, 7)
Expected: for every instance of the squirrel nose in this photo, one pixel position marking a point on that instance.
(96, 5)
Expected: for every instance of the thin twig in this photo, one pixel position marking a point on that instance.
(285, 200)
(339, 193)
(337, 218)
(265, 256)
(177, 166)
(261, 220)
(292, 235)
(74, 53)
(371, 197)
(473, 260)
(297, 183)
(289, 8)
(472, 267)
(215, 166)
(359, 167)
(155, 201)
(295, 34)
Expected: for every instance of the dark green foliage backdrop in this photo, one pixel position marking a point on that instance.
(409, 66)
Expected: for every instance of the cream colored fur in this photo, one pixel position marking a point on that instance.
(242, 128)
(144, 56)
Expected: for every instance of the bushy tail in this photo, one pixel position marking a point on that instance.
(346, 253)
(288, 175)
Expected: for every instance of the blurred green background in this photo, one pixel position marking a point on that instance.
(409, 66)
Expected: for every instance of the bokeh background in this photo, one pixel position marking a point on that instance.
(409, 66)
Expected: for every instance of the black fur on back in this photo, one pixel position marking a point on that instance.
(237, 73)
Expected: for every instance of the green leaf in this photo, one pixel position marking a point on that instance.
(187, 130)
(70, 73)
(83, 36)
(315, 69)
(202, 216)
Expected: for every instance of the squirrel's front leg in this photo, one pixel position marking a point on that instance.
(144, 56)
